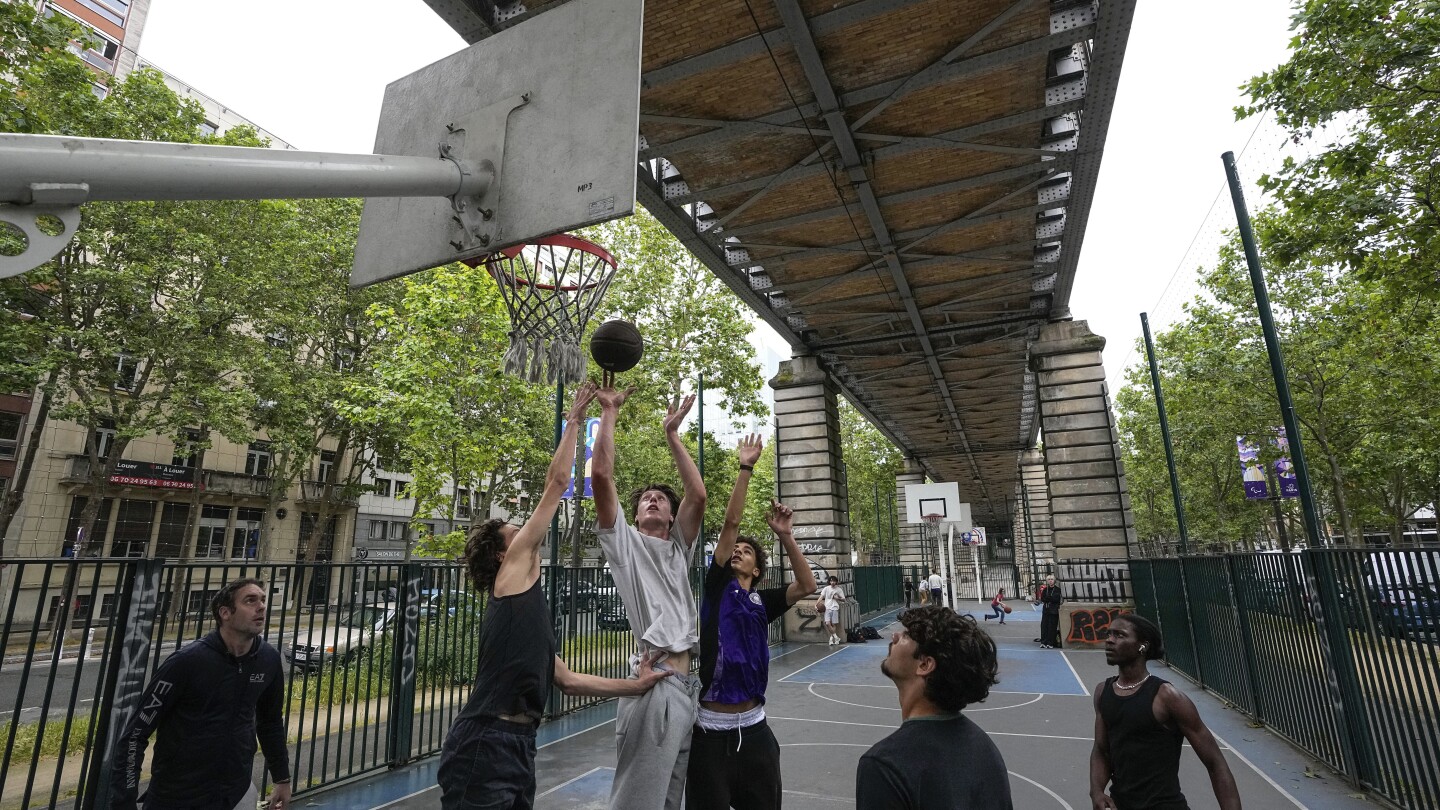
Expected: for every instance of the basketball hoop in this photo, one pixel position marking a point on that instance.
(932, 525)
(550, 288)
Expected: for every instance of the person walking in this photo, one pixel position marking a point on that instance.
(488, 759)
(650, 562)
(206, 706)
(997, 604)
(1050, 600)
(936, 584)
(909, 592)
(734, 756)
(831, 596)
(1140, 723)
(940, 663)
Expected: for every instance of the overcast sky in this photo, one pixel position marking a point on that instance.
(313, 72)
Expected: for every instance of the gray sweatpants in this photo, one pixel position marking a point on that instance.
(652, 738)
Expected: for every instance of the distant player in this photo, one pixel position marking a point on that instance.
(831, 597)
(1140, 722)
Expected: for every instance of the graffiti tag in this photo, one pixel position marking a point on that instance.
(1092, 625)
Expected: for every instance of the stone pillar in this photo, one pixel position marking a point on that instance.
(912, 549)
(1089, 501)
(812, 482)
(1035, 496)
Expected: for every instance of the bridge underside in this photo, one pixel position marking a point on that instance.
(899, 187)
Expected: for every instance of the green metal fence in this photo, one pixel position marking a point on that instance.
(1337, 650)
(877, 586)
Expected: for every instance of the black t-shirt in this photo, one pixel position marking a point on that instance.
(733, 622)
(933, 763)
(517, 657)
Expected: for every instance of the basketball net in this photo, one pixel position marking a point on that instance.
(550, 289)
(931, 527)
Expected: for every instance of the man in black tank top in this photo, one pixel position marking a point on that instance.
(1140, 723)
(488, 760)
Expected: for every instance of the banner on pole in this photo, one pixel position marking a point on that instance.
(1284, 471)
(592, 429)
(1252, 472)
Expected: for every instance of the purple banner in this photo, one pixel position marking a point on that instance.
(1284, 471)
(592, 429)
(1251, 470)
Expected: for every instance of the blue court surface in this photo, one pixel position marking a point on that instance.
(1022, 670)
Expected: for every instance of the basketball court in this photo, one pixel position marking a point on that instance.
(827, 706)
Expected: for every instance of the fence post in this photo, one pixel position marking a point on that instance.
(1190, 621)
(124, 674)
(401, 723)
(1247, 641)
(1346, 701)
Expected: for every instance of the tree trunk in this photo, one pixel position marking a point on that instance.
(11, 505)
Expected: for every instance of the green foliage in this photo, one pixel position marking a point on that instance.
(28, 737)
(1363, 82)
(871, 464)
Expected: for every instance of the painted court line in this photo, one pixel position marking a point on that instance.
(811, 664)
(1083, 687)
(811, 689)
(1283, 792)
(570, 782)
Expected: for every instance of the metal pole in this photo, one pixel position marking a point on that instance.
(1272, 347)
(104, 169)
(1165, 434)
(700, 405)
(879, 538)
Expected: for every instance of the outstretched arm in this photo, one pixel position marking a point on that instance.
(1183, 714)
(1100, 761)
(575, 683)
(781, 521)
(602, 458)
(692, 506)
(748, 452)
(522, 563)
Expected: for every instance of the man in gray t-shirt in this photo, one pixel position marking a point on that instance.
(650, 556)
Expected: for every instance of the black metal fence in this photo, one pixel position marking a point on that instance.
(1337, 650)
(375, 675)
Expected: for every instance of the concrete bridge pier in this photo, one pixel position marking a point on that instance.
(812, 483)
(1088, 499)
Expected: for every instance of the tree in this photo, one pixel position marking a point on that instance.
(1362, 74)
(871, 464)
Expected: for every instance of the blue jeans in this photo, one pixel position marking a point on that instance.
(999, 612)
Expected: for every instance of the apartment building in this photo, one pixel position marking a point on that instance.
(116, 26)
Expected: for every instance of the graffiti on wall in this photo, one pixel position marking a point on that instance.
(1092, 625)
(1094, 580)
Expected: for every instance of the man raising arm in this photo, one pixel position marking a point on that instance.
(650, 562)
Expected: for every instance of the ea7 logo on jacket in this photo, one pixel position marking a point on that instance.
(258, 677)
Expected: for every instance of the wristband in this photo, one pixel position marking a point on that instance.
(748, 467)
(280, 782)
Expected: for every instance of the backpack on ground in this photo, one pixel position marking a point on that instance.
(869, 632)
(854, 636)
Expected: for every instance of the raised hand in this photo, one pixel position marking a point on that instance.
(584, 395)
(780, 517)
(749, 449)
(675, 414)
(610, 399)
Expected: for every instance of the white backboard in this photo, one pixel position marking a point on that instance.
(566, 154)
(936, 499)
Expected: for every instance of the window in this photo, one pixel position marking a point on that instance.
(427, 529)
(214, 520)
(207, 128)
(377, 530)
(100, 90)
(96, 541)
(382, 487)
(77, 616)
(462, 502)
(10, 425)
(103, 438)
(132, 528)
(113, 10)
(171, 542)
(327, 465)
(402, 489)
(245, 535)
(257, 459)
(125, 371)
(186, 450)
(398, 530)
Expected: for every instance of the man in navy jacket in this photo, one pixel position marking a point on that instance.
(206, 705)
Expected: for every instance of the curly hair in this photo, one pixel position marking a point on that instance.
(761, 560)
(664, 489)
(965, 657)
(482, 550)
(1147, 633)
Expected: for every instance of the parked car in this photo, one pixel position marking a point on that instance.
(1407, 610)
(586, 596)
(343, 640)
(611, 615)
(435, 602)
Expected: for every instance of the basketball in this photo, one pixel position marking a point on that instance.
(617, 346)
(1007, 608)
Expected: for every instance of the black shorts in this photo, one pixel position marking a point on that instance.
(488, 764)
(737, 768)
